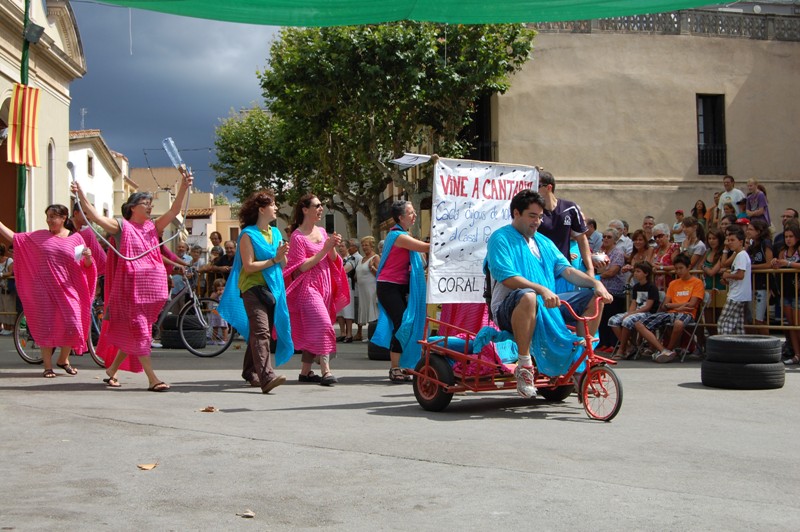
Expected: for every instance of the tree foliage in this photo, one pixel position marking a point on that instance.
(342, 101)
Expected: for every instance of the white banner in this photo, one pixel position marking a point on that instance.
(470, 200)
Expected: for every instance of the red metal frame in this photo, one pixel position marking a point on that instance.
(495, 376)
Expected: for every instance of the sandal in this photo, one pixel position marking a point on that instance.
(309, 377)
(397, 376)
(159, 387)
(68, 369)
(111, 382)
(49, 374)
(328, 379)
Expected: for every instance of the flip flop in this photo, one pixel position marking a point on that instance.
(111, 382)
(68, 369)
(159, 387)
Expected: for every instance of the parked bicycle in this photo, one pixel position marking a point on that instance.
(192, 327)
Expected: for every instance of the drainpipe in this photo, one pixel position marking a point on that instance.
(22, 170)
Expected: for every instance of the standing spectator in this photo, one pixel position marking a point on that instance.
(316, 288)
(677, 233)
(197, 279)
(224, 264)
(8, 303)
(183, 252)
(712, 266)
(346, 315)
(562, 219)
(401, 293)
(613, 279)
(355, 257)
(216, 239)
(729, 195)
(789, 258)
(756, 206)
(760, 251)
(595, 238)
(254, 300)
(366, 282)
(55, 278)
(789, 215)
(623, 242)
(731, 319)
(740, 211)
(647, 226)
(700, 212)
(136, 290)
(713, 215)
(692, 244)
(726, 221)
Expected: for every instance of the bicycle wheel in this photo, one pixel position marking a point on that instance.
(198, 332)
(24, 342)
(94, 333)
(601, 391)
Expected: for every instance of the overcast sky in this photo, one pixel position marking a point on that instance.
(183, 76)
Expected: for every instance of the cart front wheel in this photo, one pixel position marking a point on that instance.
(601, 392)
(430, 394)
(557, 394)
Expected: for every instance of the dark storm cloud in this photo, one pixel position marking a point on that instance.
(184, 75)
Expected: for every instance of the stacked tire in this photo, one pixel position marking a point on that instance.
(171, 336)
(743, 362)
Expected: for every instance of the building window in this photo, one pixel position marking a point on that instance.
(90, 165)
(329, 223)
(712, 156)
(234, 234)
(51, 173)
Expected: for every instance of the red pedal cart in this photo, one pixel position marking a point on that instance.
(435, 381)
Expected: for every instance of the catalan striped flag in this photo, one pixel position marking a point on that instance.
(23, 127)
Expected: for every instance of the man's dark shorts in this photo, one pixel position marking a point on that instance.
(579, 300)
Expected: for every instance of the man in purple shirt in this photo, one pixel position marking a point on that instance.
(563, 219)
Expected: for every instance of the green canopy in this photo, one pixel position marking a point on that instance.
(350, 12)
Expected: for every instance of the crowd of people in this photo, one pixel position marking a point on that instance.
(285, 294)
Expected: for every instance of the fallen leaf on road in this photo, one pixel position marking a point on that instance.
(147, 467)
(209, 409)
(248, 514)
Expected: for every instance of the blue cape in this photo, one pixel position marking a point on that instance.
(508, 255)
(413, 324)
(231, 306)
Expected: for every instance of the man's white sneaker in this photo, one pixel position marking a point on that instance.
(525, 385)
(5, 332)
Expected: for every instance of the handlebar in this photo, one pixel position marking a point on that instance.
(586, 318)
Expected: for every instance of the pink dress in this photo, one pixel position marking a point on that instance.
(315, 296)
(135, 293)
(55, 289)
(98, 253)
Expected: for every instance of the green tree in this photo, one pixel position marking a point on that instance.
(345, 100)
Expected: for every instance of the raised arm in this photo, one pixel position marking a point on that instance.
(109, 225)
(6, 233)
(165, 219)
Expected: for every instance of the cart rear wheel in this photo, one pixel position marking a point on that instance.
(431, 395)
(601, 392)
(557, 394)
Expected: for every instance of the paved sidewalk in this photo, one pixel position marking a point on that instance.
(363, 456)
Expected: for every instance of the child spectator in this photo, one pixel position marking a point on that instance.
(731, 319)
(219, 325)
(644, 301)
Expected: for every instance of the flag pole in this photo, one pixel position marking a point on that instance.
(22, 170)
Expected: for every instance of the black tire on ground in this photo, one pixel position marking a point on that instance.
(170, 322)
(743, 376)
(192, 323)
(743, 349)
(557, 394)
(172, 339)
(375, 352)
(430, 395)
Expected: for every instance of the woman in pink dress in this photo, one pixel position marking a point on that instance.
(135, 290)
(55, 277)
(316, 289)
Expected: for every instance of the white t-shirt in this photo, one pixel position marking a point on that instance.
(740, 290)
(733, 197)
(678, 237)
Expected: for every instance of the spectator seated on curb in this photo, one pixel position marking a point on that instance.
(682, 300)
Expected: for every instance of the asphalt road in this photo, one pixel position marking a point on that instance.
(363, 456)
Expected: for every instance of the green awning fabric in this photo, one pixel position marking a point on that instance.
(351, 12)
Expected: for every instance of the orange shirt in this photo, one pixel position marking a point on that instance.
(680, 291)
